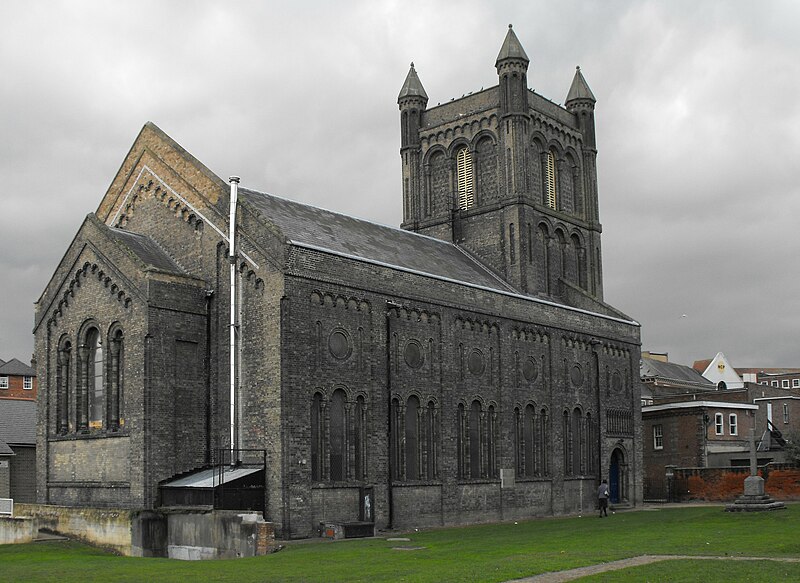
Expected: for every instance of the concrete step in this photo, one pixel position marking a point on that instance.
(45, 536)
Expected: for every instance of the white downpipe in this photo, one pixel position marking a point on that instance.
(234, 182)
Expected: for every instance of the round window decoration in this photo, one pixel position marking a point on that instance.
(475, 362)
(616, 381)
(529, 369)
(576, 375)
(339, 344)
(413, 354)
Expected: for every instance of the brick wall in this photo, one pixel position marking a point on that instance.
(16, 389)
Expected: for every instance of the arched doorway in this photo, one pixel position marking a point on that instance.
(616, 477)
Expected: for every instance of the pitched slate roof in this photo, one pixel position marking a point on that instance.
(650, 368)
(146, 250)
(18, 422)
(316, 228)
(16, 368)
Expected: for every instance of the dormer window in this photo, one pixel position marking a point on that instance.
(550, 180)
(466, 184)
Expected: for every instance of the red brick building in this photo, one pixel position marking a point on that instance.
(17, 431)
(17, 380)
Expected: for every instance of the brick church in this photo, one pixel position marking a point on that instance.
(459, 369)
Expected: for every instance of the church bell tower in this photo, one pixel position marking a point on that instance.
(509, 176)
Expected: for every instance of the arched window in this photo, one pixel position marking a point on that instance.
(63, 386)
(590, 438)
(475, 415)
(338, 437)
(491, 442)
(116, 396)
(541, 444)
(431, 442)
(519, 443)
(528, 438)
(461, 438)
(578, 442)
(567, 443)
(394, 445)
(486, 170)
(412, 438)
(316, 437)
(550, 184)
(465, 182)
(95, 378)
(360, 438)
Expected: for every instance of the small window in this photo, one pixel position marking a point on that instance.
(721, 386)
(795, 383)
(786, 412)
(658, 437)
(775, 383)
(785, 384)
(466, 186)
(719, 429)
(27, 383)
(732, 424)
(3, 382)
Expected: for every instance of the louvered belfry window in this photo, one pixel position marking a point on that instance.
(550, 180)
(466, 184)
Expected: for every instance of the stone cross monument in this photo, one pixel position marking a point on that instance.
(754, 499)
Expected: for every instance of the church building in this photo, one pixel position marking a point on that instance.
(326, 369)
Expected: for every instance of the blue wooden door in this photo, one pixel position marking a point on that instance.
(613, 478)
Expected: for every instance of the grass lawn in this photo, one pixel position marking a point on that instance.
(497, 552)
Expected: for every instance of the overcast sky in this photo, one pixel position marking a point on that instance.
(698, 123)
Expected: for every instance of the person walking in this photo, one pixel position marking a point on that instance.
(602, 498)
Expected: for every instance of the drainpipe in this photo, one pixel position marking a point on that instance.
(234, 182)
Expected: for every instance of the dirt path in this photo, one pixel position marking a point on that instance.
(572, 574)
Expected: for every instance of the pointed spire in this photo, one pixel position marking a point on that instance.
(579, 89)
(412, 86)
(511, 49)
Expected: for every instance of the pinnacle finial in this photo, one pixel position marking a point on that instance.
(412, 64)
(577, 67)
(510, 26)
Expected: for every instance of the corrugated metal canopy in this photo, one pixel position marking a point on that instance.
(211, 478)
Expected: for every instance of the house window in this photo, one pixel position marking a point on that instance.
(550, 180)
(27, 383)
(718, 427)
(785, 384)
(786, 412)
(3, 382)
(774, 383)
(732, 424)
(466, 185)
(795, 383)
(658, 436)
